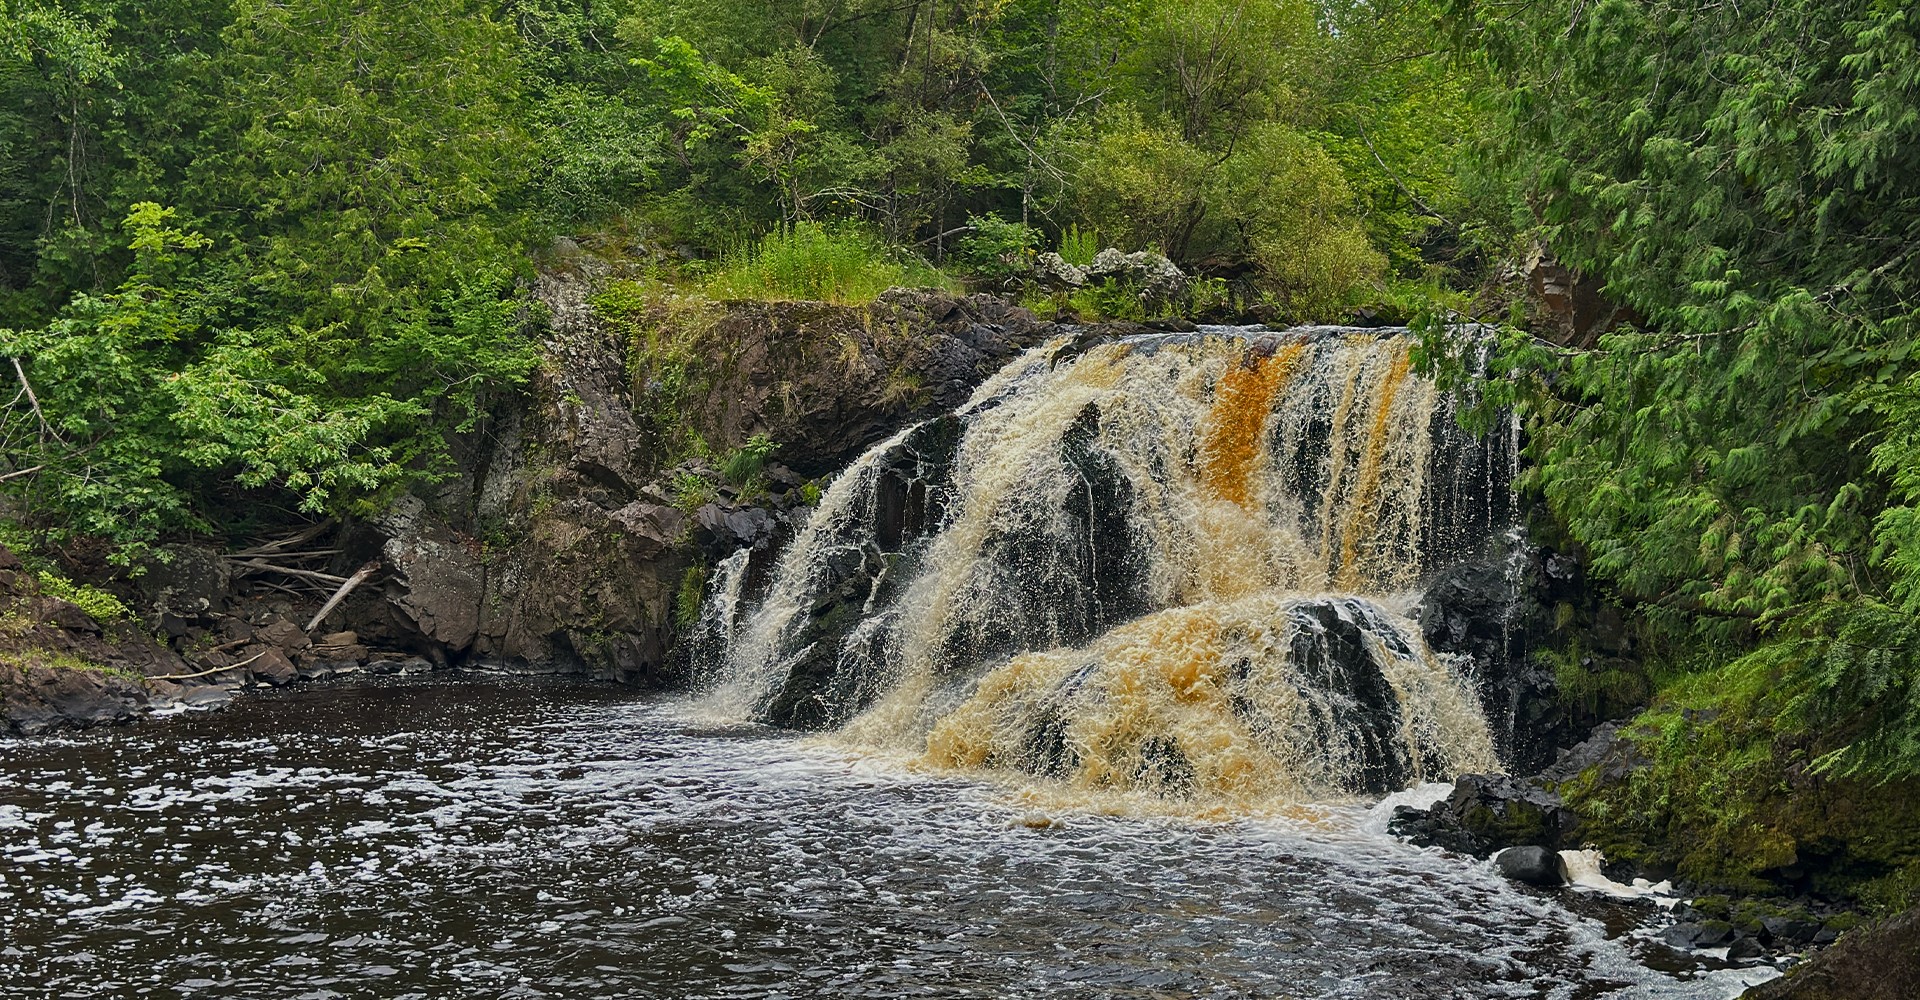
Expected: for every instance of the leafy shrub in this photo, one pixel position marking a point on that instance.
(997, 251)
(101, 605)
(744, 464)
(150, 403)
(689, 597)
(841, 264)
(692, 491)
(1079, 246)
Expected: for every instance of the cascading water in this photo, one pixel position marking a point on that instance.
(1180, 563)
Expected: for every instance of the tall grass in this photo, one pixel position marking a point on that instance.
(841, 264)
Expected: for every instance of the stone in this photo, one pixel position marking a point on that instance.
(274, 668)
(1744, 947)
(1157, 278)
(61, 614)
(47, 698)
(185, 581)
(1487, 812)
(339, 652)
(1530, 864)
(720, 530)
(436, 583)
(205, 697)
(1052, 272)
(339, 639)
(1694, 936)
(283, 634)
(1789, 931)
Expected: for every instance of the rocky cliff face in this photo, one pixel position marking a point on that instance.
(562, 542)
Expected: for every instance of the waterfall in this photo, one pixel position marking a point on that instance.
(1181, 563)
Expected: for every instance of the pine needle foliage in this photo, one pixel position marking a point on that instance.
(1744, 464)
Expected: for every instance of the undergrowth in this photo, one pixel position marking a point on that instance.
(840, 264)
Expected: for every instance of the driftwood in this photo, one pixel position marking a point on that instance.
(214, 670)
(279, 546)
(346, 587)
(262, 566)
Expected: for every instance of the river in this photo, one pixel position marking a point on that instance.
(486, 836)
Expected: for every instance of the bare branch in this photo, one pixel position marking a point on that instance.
(346, 588)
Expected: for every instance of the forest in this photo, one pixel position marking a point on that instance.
(258, 260)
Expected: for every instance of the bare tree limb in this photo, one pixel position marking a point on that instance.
(46, 430)
(359, 577)
(214, 670)
(1397, 182)
(259, 566)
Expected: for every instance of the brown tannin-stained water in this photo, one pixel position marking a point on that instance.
(480, 836)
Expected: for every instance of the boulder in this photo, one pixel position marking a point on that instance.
(1157, 278)
(1531, 865)
(61, 614)
(1052, 272)
(1488, 812)
(284, 635)
(184, 583)
(436, 582)
(1693, 936)
(1791, 932)
(38, 699)
(274, 668)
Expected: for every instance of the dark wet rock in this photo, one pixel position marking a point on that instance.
(60, 614)
(1487, 812)
(720, 530)
(184, 583)
(273, 667)
(1531, 865)
(1743, 948)
(436, 582)
(1790, 931)
(1873, 963)
(44, 698)
(1703, 934)
(205, 697)
(285, 635)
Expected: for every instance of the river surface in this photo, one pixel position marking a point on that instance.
(515, 837)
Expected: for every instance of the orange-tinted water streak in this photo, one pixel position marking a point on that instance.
(1242, 402)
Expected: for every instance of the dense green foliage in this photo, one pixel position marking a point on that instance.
(279, 249)
(1741, 465)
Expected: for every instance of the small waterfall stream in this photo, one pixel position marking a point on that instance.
(1182, 564)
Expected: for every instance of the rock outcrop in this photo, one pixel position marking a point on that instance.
(1874, 963)
(566, 539)
(60, 667)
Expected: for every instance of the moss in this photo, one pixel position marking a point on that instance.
(690, 596)
(1728, 793)
(99, 604)
(35, 658)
